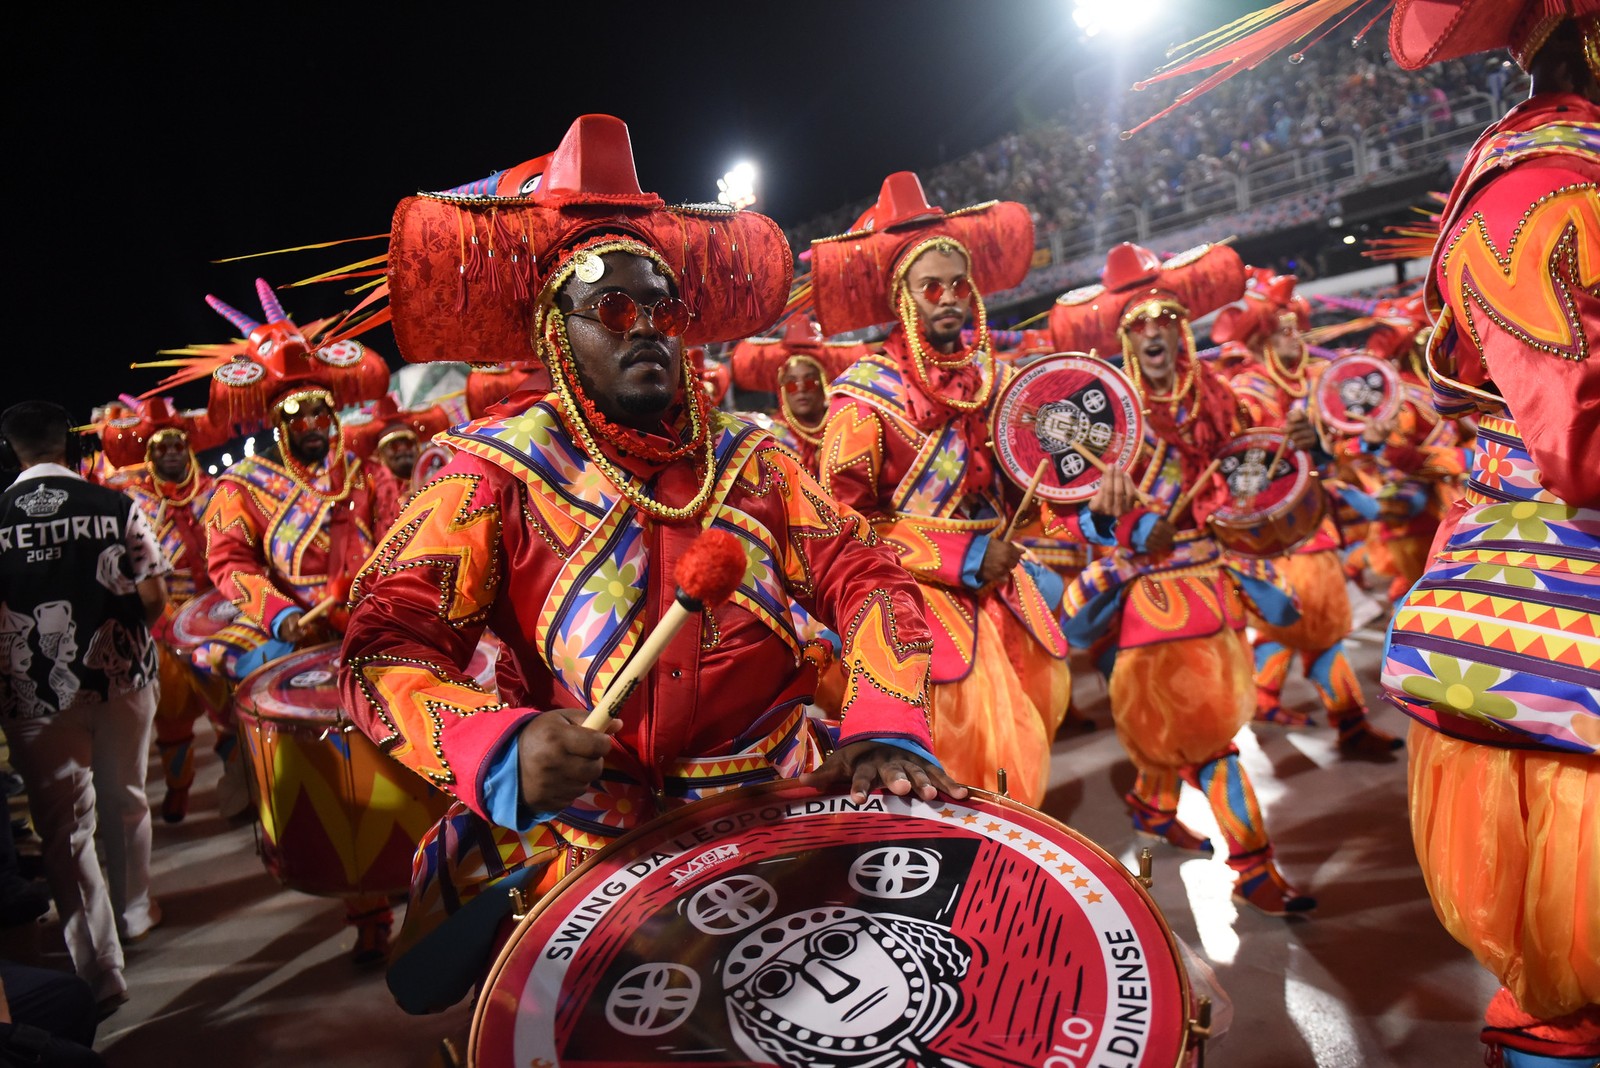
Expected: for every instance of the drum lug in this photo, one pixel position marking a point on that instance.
(1000, 783)
(1200, 1027)
(1146, 860)
(519, 904)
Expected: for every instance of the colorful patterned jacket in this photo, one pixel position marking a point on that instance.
(1499, 642)
(909, 483)
(523, 533)
(274, 542)
(177, 515)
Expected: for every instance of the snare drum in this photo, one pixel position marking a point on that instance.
(201, 618)
(779, 925)
(338, 817)
(1268, 514)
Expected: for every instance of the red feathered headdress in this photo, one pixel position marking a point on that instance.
(370, 428)
(1198, 281)
(251, 376)
(465, 270)
(125, 437)
(853, 275)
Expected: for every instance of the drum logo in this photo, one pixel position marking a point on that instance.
(1362, 394)
(310, 680)
(709, 859)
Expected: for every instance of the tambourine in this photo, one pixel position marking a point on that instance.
(1356, 388)
(1057, 406)
(780, 925)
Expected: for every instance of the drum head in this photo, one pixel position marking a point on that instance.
(779, 925)
(1356, 388)
(302, 685)
(1058, 401)
(201, 618)
(1252, 490)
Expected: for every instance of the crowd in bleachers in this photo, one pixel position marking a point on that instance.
(1077, 166)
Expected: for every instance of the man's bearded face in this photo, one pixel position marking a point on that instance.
(938, 271)
(169, 456)
(1285, 341)
(399, 455)
(310, 429)
(635, 376)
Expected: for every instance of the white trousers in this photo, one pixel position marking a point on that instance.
(85, 769)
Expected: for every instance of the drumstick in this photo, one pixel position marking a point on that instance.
(1105, 469)
(1188, 495)
(317, 611)
(1027, 499)
(707, 574)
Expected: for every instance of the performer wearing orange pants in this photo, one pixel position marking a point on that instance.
(288, 528)
(1180, 682)
(907, 445)
(155, 445)
(1274, 389)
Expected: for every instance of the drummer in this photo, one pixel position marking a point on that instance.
(1274, 390)
(558, 525)
(156, 445)
(907, 444)
(1180, 681)
(387, 438)
(797, 368)
(288, 527)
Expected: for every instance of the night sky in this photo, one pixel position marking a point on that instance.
(146, 143)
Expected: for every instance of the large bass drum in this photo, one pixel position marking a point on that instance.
(779, 925)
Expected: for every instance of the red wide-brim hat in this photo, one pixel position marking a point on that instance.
(756, 361)
(1200, 280)
(465, 271)
(1267, 296)
(852, 274)
(125, 439)
(1433, 31)
(492, 383)
(365, 430)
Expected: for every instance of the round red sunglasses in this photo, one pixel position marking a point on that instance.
(618, 312)
(933, 289)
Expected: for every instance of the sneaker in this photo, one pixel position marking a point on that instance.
(175, 806)
(1268, 892)
(1362, 741)
(139, 934)
(110, 993)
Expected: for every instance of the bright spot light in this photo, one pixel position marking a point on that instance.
(737, 188)
(1349, 239)
(1114, 17)
(250, 445)
(227, 459)
(213, 469)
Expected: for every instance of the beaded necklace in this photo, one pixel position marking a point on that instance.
(1130, 362)
(920, 358)
(1291, 382)
(175, 495)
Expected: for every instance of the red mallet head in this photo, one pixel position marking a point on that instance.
(710, 570)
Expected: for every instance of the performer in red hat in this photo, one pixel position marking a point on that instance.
(1180, 683)
(1493, 651)
(156, 445)
(798, 368)
(558, 525)
(288, 528)
(907, 445)
(387, 438)
(1275, 387)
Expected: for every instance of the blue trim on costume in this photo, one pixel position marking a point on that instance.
(973, 561)
(502, 790)
(1051, 585)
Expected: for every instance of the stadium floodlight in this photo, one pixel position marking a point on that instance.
(1117, 18)
(227, 459)
(250, 445)
(737, 188)
(1349, 239)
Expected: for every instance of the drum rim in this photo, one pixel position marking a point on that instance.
(213, 593)
(241, 696)
(1391, 406)
(1313, 483)
(502, 958)
(1136, 429)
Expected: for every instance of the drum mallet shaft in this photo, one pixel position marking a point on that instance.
(1027, 499)
(1189, 494)
(707, 574)
(317, 611)
(1144, 498)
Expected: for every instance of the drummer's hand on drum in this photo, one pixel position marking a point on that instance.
(1116, 495)
(1377, 431)
(558, 757)
(868, 764)
(1159, 541)
(290, 629)
(1302, 435)
(998, 560)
